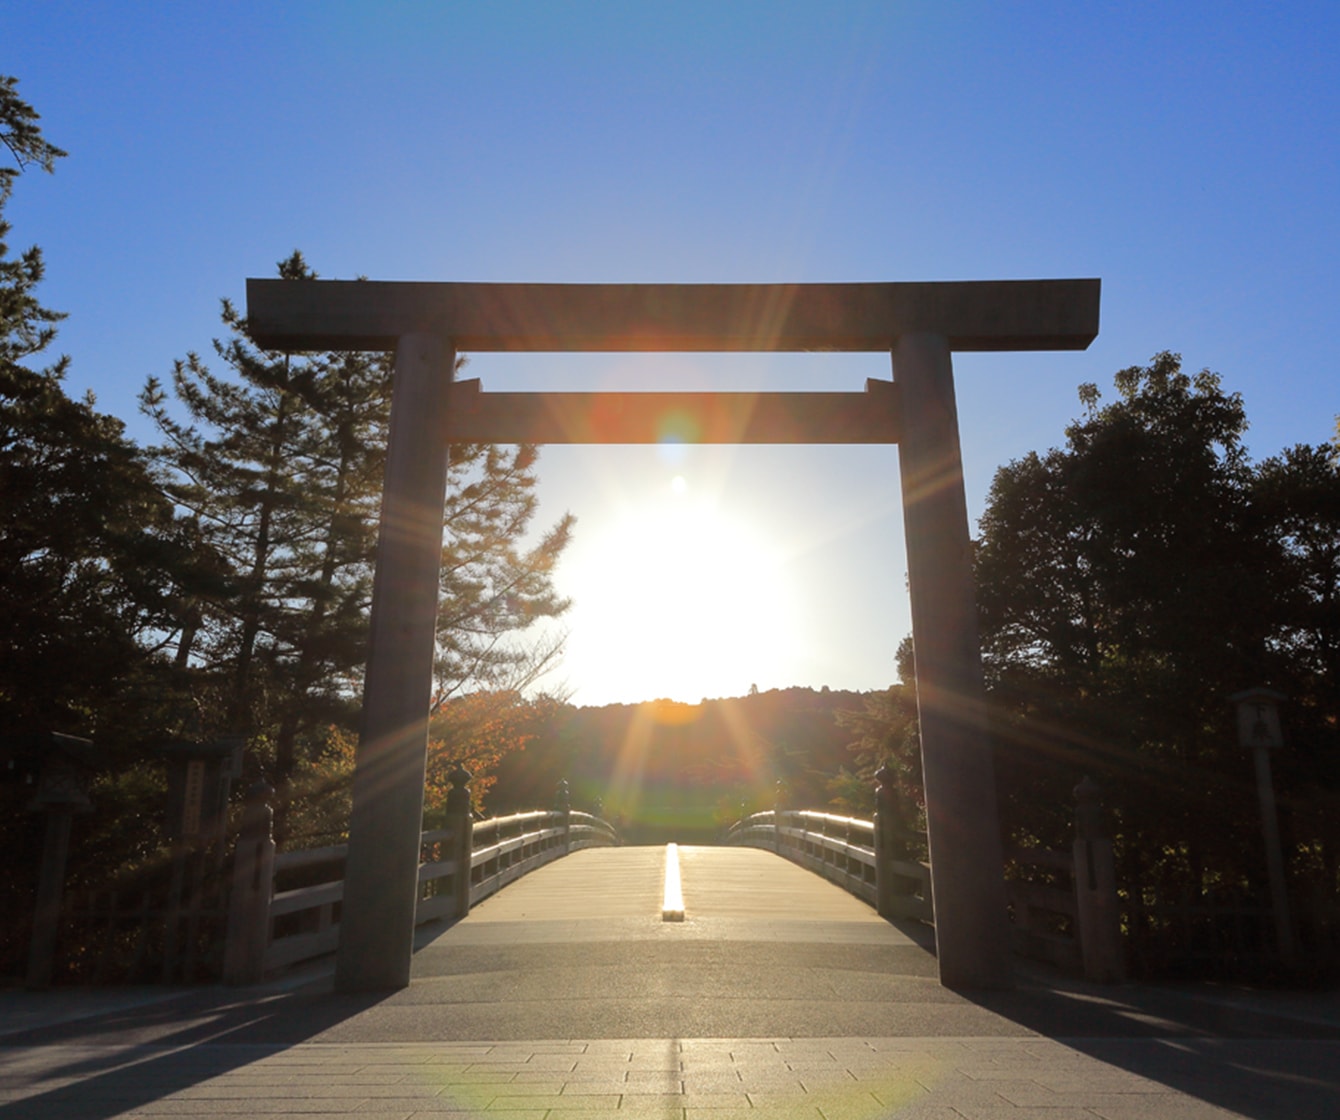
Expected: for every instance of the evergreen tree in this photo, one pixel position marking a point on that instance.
(26, 327)
(280, 464)
(280, 467)
(493, 589)
(91, 561)
(93, 568)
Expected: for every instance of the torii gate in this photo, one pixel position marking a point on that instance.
(919, 324)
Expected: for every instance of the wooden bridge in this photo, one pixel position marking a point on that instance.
(287, 909)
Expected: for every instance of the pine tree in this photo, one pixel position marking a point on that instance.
(280, 463)
(93, 568)
(90, 557)
(491, 590)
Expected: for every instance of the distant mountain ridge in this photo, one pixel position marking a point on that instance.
(663, 768)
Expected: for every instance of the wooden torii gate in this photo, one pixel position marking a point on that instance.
(919, 324)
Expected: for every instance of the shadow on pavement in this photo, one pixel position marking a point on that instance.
(1251, 1053)
(1256, 1054)
(121, 1060)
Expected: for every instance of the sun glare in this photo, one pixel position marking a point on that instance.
(679, 599)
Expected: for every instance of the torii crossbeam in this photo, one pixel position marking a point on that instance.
(920, 325)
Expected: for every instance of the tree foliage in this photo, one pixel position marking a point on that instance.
(887, 733)
(220, 582)
(278, 463)
(92, 559)
(494, 588)
(666, 769)
(1129, 583)
(26, 327)
(91, 556)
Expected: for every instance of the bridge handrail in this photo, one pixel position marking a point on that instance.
(1045, 915)
(1058, 914)
(310, 857)
(841, 849)
(821, 842)
(301, 923)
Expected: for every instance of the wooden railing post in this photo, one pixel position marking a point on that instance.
(1099, 919)
(461, 821)
(778, 804)
(563, 805)
(250, 891)
(886, 842)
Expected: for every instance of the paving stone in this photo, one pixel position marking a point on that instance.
(1009, 1112)
(556, 1102)
(1187, 1108)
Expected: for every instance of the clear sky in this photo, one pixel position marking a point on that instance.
(1185, 153)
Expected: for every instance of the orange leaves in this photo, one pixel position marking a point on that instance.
(475, 731)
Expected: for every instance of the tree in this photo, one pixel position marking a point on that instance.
(92, 559)
(246, 469)
(26, 327)
(279, 463)
(1297, 494)
(887, 732)
(1123, 596)
(492, 588)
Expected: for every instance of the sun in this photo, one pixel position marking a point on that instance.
(678, 598)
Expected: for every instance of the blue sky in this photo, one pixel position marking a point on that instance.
(1184, 153)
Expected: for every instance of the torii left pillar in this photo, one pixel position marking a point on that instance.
(382, 869)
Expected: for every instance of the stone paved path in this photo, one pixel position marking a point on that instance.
(684, 1079)
(778, 997)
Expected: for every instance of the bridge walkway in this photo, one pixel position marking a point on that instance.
(778, 997)
(765, 948)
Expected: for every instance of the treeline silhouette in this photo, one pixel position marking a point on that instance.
(664, 770)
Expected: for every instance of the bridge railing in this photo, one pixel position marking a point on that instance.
(1063, 905)
(1040, 892)
(843, 850)
(285, 908)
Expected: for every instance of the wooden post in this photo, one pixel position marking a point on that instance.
(381, 884)
(60, 794)
(1259, 730)
(1099, 924)
(886, 841)
(962, 817)
(461, 821)
(1270, 831)
(563, 804)
(250, 891)
(50, 890)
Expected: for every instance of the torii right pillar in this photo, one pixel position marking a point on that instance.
(962, 815)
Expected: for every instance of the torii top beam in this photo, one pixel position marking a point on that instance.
(972, 315)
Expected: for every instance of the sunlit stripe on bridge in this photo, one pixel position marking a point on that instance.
(672, 903)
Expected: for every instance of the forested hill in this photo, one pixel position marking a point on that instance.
(662, 766)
